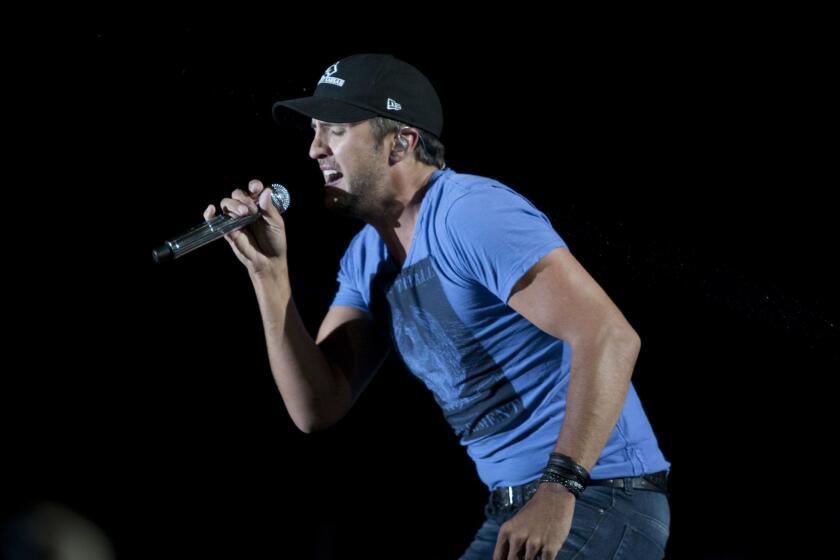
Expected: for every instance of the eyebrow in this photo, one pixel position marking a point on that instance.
(323, 124)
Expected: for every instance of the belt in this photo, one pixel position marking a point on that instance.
(507, 497)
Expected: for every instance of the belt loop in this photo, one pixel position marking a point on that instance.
(628, 485)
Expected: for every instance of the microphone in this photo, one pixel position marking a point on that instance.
(215, 228)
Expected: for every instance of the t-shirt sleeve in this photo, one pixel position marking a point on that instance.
(350, 291)
(497, 236)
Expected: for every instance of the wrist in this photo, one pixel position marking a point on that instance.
(271, 277)
(556, 489)
(272, 285)
(562, 470)
(562, 462)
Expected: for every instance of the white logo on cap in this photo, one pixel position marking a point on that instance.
(393, 105)
(327, 77)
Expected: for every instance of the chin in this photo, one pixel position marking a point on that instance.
(339, 201)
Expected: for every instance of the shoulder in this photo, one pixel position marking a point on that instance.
(457, 185)
(482, 201)
(460, 195)
(366, 244)
(363, 238)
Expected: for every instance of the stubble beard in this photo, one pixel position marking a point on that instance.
(360, 200)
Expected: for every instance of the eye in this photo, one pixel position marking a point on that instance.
(337, 131)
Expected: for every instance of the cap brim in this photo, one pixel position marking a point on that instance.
(324, 109)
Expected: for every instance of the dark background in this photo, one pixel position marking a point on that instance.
(686, 169)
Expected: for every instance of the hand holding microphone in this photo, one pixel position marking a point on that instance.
(260, 205)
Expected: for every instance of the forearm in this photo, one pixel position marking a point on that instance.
(314, 394)
(599, 379)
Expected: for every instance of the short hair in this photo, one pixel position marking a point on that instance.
(429, 149)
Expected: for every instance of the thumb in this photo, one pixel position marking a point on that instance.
(267, 206)
(271, 215)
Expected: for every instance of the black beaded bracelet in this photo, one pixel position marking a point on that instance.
(566, 473)
(572, 486)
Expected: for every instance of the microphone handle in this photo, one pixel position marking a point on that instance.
(201, 235)
(215, 228)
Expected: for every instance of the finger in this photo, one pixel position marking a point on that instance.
(245, 198)
(255, 187)
(239, 240)
(236, 207)
(532, 551)
(242, 241)
(209, 212)
(501, 552)
(515, 548)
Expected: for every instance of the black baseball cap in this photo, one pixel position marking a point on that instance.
(364, 86)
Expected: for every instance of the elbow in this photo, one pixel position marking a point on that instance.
(623, 334)
(634, 341)
(622, 341)
(630, 344)
(312, 424)
(310, 428)
(319, 413)
(306, 429)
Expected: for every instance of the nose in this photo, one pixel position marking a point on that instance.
(319, 147)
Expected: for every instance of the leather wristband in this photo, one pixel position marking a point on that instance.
(564, 462)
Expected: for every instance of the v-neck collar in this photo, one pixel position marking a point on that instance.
(421, 215)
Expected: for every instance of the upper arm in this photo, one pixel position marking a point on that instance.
(560, 297)
(496, 235)
(353, 345)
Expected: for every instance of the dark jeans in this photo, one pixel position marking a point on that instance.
(609, 523)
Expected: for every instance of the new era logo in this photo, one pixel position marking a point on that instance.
(393, 105)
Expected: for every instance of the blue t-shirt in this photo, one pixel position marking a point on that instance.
(500, 381)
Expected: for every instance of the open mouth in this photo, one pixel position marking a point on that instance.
(331, 177)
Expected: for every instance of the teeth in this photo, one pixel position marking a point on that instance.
(331, 175)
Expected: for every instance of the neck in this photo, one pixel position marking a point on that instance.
(397, 221)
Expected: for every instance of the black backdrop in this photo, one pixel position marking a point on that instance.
(685, 169)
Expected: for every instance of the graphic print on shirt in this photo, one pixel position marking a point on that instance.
(476, 397)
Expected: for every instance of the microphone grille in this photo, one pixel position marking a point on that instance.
(280, 197)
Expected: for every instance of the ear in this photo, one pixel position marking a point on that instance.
(404, 142)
